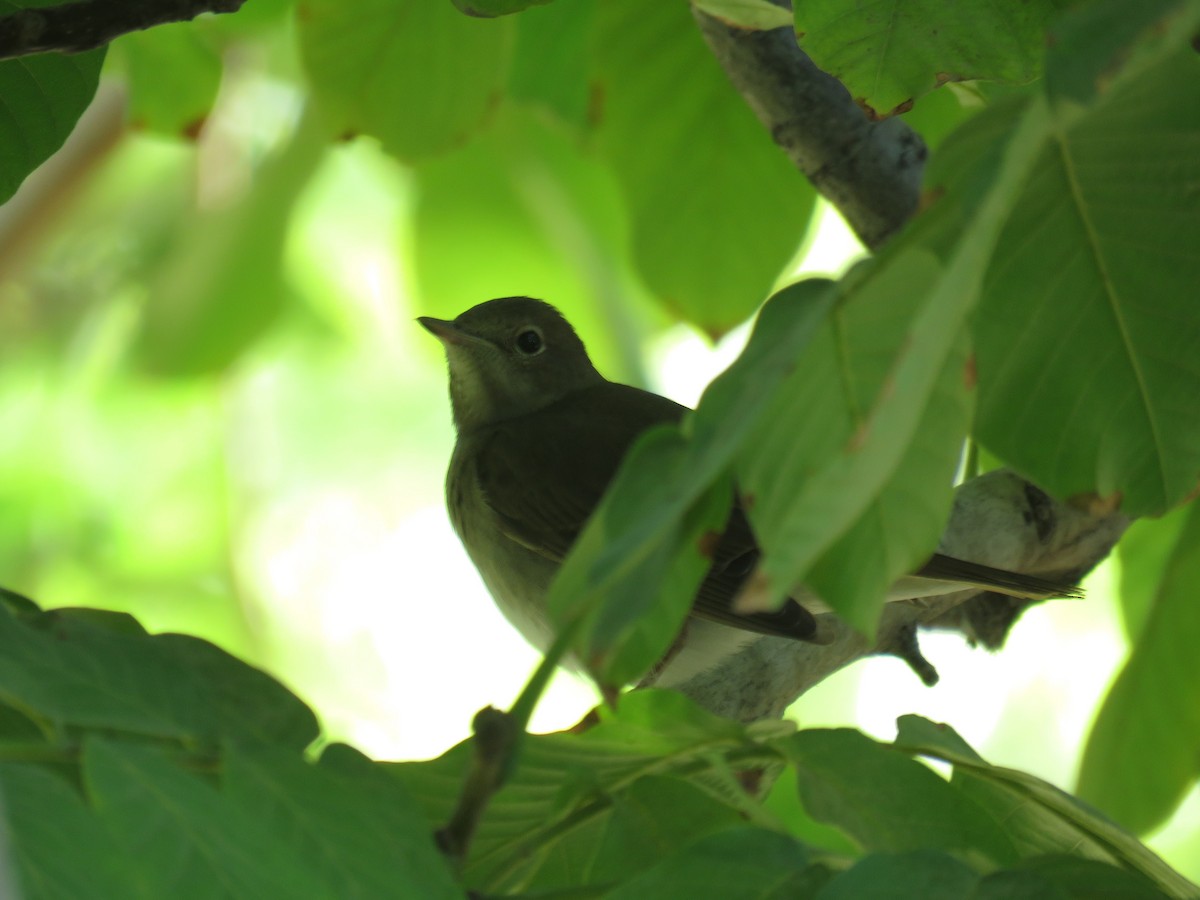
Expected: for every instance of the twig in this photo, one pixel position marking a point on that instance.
(870, 170)
(86, 25)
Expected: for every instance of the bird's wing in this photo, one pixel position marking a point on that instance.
(543, 474)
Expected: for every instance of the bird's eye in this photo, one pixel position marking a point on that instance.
(529, 341)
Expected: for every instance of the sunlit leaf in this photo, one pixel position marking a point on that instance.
(173, 76)
(1141, 757)
(756, 15)
(717, 210)
(418, 75)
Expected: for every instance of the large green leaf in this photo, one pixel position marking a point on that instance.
(58, 848)
(1039, 818)
(886, 801)
(550, 65)
(66, 667)
(890, 52)
(358, 827)
(418, 75)
(1143, 754)
(1088, 333)
(836, 455)
(717, 210)
(41, 99)
(823, 410)
(187, 840)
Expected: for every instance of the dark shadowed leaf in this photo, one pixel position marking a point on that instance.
(916, 875)
(60, 849)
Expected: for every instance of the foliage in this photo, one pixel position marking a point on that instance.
(594, 153)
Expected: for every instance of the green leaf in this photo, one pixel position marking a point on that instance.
(1144, 551)
(890, 53)
(185, 839)
(811, 481)
(222, 286)
(1141, 757)
(915, 875)
(59, 848)
(43, 97)
(550, 65)
(566, 783)
(418, 75)
(716, 209)
(886, 801)
(357, 826)
(1087, 336)
(823, 410)
(173, 76)
(627, 557)
(1038, 817)
(1067, 877)
(1095, 42)
(750, 863)
(67, 668)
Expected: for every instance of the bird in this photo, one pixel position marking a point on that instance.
(540, 434)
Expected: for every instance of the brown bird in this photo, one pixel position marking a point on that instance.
(541, 434)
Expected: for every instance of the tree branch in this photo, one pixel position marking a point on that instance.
(870, 170)
(76, 27)
(998, 520)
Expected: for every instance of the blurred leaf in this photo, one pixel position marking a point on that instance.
(80, 672)
(1096, 41)
(1087, 335)
(488, 8)
(1038, 817)
(716, 209)
(1142, 755)
(43, 98)
(173, 76)
(358, 827)
(183, 838)
(885, 800)
(915, 875)
(222, 287)
(416, 74)
(888, 54)
(550, 65)
(757, 15)
(59, 848)
(622, 570)
(1144, 552)
(750, 863)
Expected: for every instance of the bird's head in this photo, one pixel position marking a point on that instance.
(510, 357)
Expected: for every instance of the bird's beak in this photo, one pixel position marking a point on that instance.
(445, 331)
